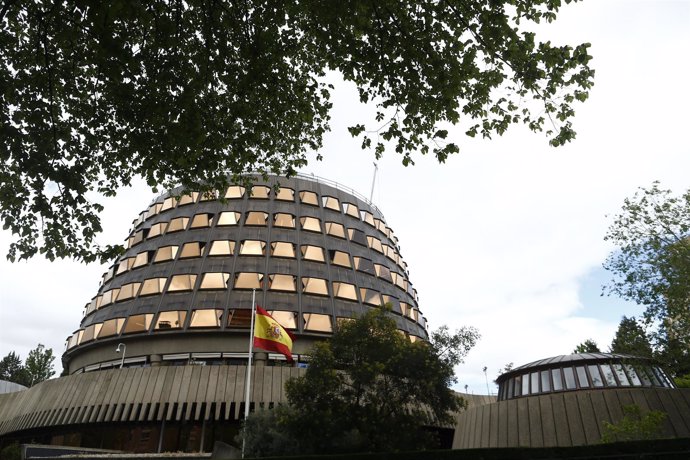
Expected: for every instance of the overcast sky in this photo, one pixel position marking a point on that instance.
(506, 236)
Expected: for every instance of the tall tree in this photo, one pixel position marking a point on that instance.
(631, 339)
(39, 364)
(588, 346)
(652, 263)
(12, 370)
(368, 388)
(96, 93)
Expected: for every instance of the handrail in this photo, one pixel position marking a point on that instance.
(339, 186)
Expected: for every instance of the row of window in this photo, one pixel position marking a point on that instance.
(201, 318)
(264, 192)
(583, 377)
(245, 280)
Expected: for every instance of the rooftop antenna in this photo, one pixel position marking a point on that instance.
(373, 182)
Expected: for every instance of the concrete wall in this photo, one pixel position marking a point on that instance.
(566, 419)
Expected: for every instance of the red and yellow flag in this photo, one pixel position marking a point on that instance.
(269, 335)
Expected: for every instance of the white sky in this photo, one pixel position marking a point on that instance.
(507, 236)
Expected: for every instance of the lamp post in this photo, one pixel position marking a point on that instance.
(124, 350)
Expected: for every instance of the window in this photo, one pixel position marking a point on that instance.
(314, 253)
(111, 327)
(107, 276)
(202, 220)
(157, 229)
(168, 203)
(518, 386)
(351, 210)
(317, 323)
(285, 194)
(364, 265)
(383, 272)
(315, 286)
(281, 219)
(248, 280)
(344, 291)
(221, 248)
(128, 291)
(283, 249)
(124, 265)
(557, 381)
(179, 283)
(170, 320)
(252, 248)
(234, 192)
(608, 375)
(368, 218)
(375, 244)
(177, 224)
(165, 253)
(569, 378)
(369, 296)
(91, 332)
(287, 319)
(109, 297)
(311, 224)
(308, 198)
(335, 229)
(138, 323)
(153, 210)
(228, 218)
(357, 236)
(192, 249)
(141, 259)
(330, 202)
(582, 377)
(525, 385)
(339, 258)
(534, 382)
(256, 218)
(209, 195)
(634, 378)
(260, 192)
(206, 318)
(187, 198)
(545, 381)
(596, 375)
(215, 280)
(152, 286)
(380, 225)
(279, 282)
(239, 318)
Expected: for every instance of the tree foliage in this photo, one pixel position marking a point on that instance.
(634, 426)
(367, 389)
(12, 370)
(631, 339)
(588, 346)
(37, 367)
(96, 93)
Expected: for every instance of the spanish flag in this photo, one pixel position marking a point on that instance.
(271, 336)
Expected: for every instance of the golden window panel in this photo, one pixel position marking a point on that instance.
(73, 340)
(375, 244)
(90, 332)
(383, 272)
(107, 276)
(109, 297)
(308, 198)
(344, 291)
(368, 218)
(314, 253)
(228, 218)
(253, 248)
(330, 202)
(340, 258)
(234, 192)
(357, 236)
(281, 219)
(187, 198)
(380, 225)
(170, 319)
(370, 296)
(128, 291)
(317, 322)
(165, 253)
(177, 224)
(125, 265)
(179, 283)
(202, 220)
(260, 192)
(280, 282)
(239, 317)
(335, 229)
(214, 280)
(221, 248)
(153, 210)
(285, 194)
(256, 218)
(248, 280)
(192, 249)
(141, 259)
(137, 238)
(138, 323)
(283, 249)
(111, 327)
(311, 224)
(157, 229)
(351, 210)
(168, 203)
(287, 319)
(206, 318)
(364, 265)
(316, 286)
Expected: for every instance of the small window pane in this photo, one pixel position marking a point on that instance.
(364, 265)
(90, 332)
(318, 323)
(202, 220)
(383, 272)
(109, 297)
(335, 229)
(138, 323)
(351, 210)
(330, 202)
(182, 283)
(165, 253)
(284, 220)
(582, 377)
(177, 224)
(214, 280)
(239, 318)
(608, 375)
(644, 376)
(557, 381)
(375, 244)
(248, 280)
(534, 382)
(597, 381)
(141, 259)
(256, 218)
(287, 319)
(128, 291)
(308, 198)
(545, 381)
(340, 258)
(632, 375)
(311, 224)
(285, 194)
(569, 378)
(152, 286)
(111, 327)
(260, 192)
(157, 229)
(188, 198)
(344, 291)
(370, 296)
(312, 253)
(368, 218)
(518, 386)
(191, 250)
(252, 248)
(228, 218)
(525, 385)
(124, 265)
(222, 248)
(206, 318)
(168, 203)
(314, 286)
(283, 249)
(357, 236)
(620, 373)
(170, 320)
(234, 192)
(279, 282)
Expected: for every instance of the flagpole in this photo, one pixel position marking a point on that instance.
(249, 369)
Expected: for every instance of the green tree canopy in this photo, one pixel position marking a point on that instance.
(96, 93)
(631, 339)
(366, 389)
(588, 346)
(12, 370)
(39, 364)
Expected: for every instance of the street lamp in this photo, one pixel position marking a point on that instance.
(124, 350)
